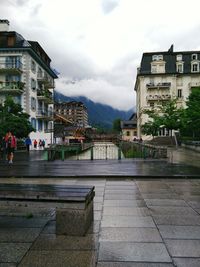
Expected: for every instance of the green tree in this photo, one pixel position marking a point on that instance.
(192, 114)
(116, 125)
(167, 116)
(12, 118)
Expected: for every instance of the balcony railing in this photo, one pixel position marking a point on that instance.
(11, 67)
(45, 95)
(158, 97)
(43, 79)
(11, 87)
(158, 85)
(44, 114)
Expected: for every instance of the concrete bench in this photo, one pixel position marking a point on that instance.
(74, 204)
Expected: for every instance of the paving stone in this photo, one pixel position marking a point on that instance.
(21, 222)
(124, 203)
(127, 221)
(8, 265)
(194, 204)
(143, 211)
(97, 215)
(98, 199)
(176, 220)
(133, 264)
(166, 202)
(98, 206)
(187, 262)
(63, 242)
(170, 210)
(179, 232)
(13, 252)
(59, 258)
(19, 234)
(126, 251)
(23, 212)
(183, 248)
(130, 234)
(123, 196)
(120, 191)
(121, 187)
(160, 196)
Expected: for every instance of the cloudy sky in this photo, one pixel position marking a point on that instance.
(97, 45)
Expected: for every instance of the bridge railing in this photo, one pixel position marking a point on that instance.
(142, 150)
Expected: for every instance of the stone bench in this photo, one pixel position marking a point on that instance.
(74, 204)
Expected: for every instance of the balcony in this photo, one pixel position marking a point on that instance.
(11, 87)
(43, 79)
(45, 95)
(158, 97)
(44, 114)
(158, 85)
(11, 68)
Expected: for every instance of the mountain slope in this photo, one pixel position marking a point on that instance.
(98, 114)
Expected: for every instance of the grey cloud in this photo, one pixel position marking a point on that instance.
(36, 10)
(109, 5)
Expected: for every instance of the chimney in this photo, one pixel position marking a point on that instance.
(4, 25)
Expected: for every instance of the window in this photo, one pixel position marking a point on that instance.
(157, 57)
(179, 68)
(195, 67)
(194, 56)
(33, 103)
(33, 123)
(179, 93)
(33, 66)
(151, 104)
(127, 133)
(40, 125)
(11, 41)
(179, 57)
(33, 84)
(153, 68)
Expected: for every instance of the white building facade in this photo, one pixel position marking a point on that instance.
(26, 75)
(163, 76)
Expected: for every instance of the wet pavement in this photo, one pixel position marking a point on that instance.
(140, 219)
(137, 223)
(182, 163)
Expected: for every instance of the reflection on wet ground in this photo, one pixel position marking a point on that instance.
(137, 223)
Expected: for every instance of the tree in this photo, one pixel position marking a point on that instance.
(12, 118)
(167, 116)
(117, 125)
(192, 114)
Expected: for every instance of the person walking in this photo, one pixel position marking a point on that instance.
(35, 144)
(28, 143)
(11, 143)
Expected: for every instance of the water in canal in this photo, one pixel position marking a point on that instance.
(101, 150)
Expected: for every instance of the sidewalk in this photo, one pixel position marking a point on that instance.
(33, 165)
(137, 223)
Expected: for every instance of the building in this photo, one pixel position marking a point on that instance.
(75, 112)
(129, 129)
(163, 76)
(26, 75)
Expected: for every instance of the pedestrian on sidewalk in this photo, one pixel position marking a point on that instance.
(28, 143)
(35, 144)
(11, 144)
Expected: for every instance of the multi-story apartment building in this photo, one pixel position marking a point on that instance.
(163, 76)
(75, 112)
(26, 75)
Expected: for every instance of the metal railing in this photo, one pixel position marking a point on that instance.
(12, 86)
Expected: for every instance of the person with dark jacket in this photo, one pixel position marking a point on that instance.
(28, 143)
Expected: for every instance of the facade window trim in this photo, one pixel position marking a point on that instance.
(194, 67)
